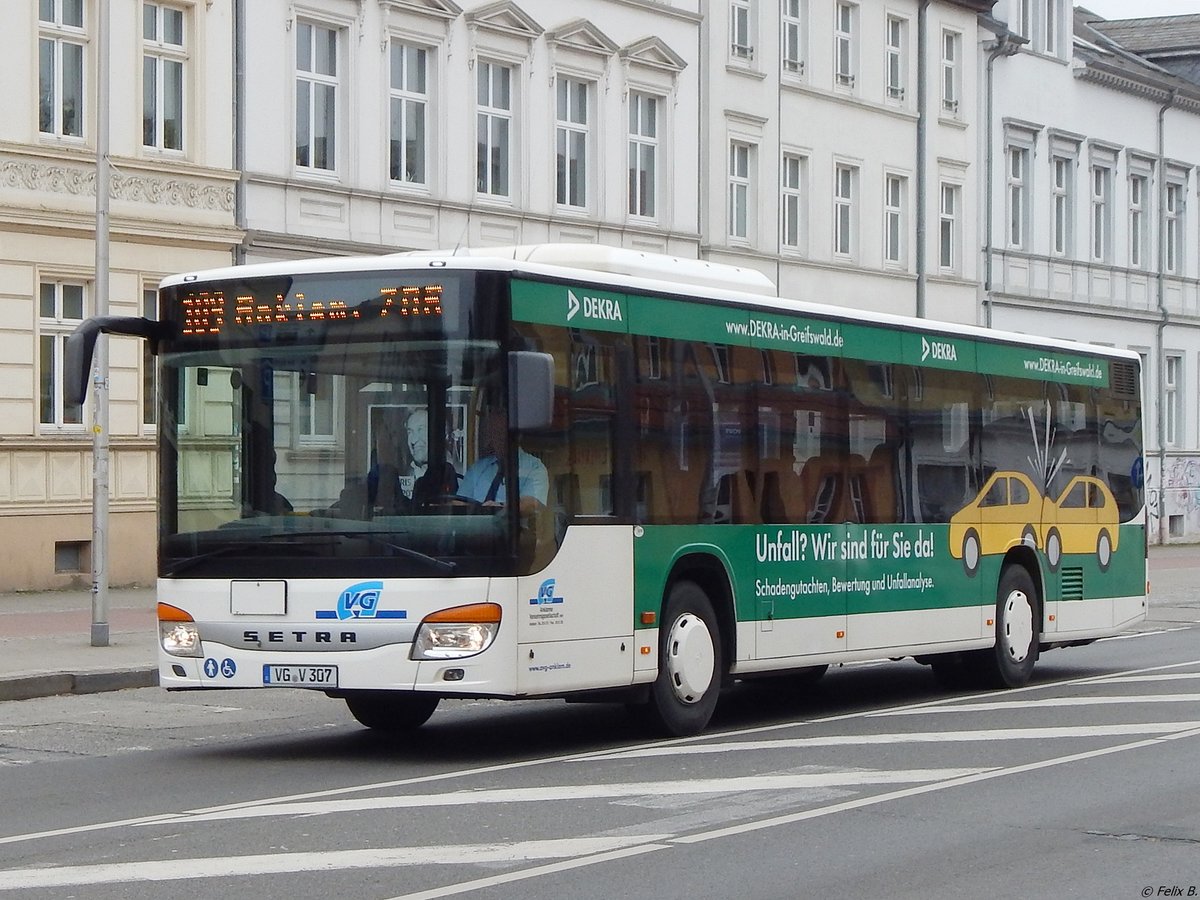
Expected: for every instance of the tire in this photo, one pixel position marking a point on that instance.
(690, 664)
(1009, 663)
(1053, 549)
(972, 552)
(391, 712)
(1104, 550)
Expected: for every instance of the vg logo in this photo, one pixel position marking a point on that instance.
(545, 595)
(360, 600)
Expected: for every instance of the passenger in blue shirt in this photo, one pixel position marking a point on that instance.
(486, 482)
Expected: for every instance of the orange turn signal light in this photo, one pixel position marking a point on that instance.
(472, 612)
(169, 613)
(649, 618)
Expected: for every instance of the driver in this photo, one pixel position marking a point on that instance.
(485, 480)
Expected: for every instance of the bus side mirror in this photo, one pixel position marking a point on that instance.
(77, 359)
(530, 389)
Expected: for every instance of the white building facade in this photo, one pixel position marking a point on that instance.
(826, 165)
(1094, 231)
(858, 153)
(415, 124)
(172, 209)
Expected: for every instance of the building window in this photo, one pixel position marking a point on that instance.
(1173, 228)
(739, 189)
(895, 61)
(948, 227)
(494, 125)
(408, 147)
(1137, 220)
(893, 218)
(60, 310)
(844, 38)
(164, 56)
(845, 180)
(149, 367)
(1018, 187)
(571, 136)
(643, 155)
(316, 97)
(1050, 27)
(741, 45)
(319, 407)
(1172, 396)
(950, 73)
(61, 40)
(1101, 212)
(793, 36)
(1062, 194)
(791, 201)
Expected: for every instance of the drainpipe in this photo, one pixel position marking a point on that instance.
(239, 127)
(922, 149)
(1164, 317)
(1005, 45)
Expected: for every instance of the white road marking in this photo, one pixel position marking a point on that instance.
(597, 755)
(323, 861)
(558, 793)
(918, 737)
(1132, 699)
(1139, 679)
(819, 812)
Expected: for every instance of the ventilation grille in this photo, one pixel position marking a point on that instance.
(1124, 379)
(1072, 584)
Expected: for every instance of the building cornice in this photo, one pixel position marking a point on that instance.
(153, 182)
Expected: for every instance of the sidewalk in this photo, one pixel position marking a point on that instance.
(45, 638)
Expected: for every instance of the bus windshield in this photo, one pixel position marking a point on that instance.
(322, 429)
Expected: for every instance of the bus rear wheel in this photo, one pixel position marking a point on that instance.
(391, 712)
(690, 663)
(1009, 663)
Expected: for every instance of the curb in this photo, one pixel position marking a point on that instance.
(49, 685)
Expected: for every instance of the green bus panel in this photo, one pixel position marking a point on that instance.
(550, 303)
(830, 570)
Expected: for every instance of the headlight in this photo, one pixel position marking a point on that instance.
(177, 632)
(457, 632)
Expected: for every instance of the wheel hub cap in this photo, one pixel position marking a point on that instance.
(690, 658)
(1017, 626)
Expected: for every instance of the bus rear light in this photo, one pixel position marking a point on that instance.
(457, 632)
(177, 632)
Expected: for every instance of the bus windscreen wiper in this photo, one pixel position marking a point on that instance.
(297, 540)
(442, 566)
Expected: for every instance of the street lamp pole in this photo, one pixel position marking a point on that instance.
(100, 373)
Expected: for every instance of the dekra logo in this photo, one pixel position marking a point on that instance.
(593, 307)
(938, 350)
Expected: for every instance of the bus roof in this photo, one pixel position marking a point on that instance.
(631, 270)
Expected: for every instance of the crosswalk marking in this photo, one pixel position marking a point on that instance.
(989, 706)
(321, 861)
(918, 737)
(559, 793)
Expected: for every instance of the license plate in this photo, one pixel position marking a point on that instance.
(300, 676)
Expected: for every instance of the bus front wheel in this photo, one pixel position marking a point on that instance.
(391, 712)
(684, 694)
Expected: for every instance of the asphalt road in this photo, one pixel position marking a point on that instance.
(874, 783)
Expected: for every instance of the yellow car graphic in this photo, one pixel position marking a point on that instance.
(1082, 520)
(1005, 513)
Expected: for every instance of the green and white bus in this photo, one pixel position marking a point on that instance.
(716, 484)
